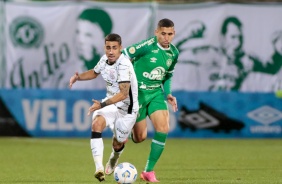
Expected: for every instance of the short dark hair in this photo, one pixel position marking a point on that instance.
(229, 20)
(113, 37)
(165, 23)
(99, 17)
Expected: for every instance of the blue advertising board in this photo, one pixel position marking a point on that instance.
(63, 113)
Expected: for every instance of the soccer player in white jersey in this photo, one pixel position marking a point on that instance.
(118, 110)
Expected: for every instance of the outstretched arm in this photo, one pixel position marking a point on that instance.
(88, 75)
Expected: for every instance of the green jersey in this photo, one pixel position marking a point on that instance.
(153, 64)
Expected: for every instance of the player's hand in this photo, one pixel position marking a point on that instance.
(173, 102)
(96, 105)
(73, 79)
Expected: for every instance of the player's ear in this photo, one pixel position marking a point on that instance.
(156, 32)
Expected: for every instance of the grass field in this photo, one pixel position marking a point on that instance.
(184, 161)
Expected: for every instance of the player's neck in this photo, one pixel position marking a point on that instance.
(164, 48)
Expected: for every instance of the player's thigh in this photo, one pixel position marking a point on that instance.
(109, 114)
(140, 130)
(158, 113)
(160, 120)
(124, 125)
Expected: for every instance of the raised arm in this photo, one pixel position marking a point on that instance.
(88, 75)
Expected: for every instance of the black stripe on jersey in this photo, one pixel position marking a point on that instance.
(131, 102)
(124, 82)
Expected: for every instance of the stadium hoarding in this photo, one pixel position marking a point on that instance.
(44, 43)
(63, 113)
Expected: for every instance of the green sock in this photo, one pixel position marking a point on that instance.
(157, 147)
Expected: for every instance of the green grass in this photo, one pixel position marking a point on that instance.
(184, 161)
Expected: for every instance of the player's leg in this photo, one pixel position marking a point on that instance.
(122, 129)
(101, 118)
(97, 146)
(158, 112)
(139, 131)
(160, 120)
(117, 150)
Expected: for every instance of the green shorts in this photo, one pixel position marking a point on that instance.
(149, 102)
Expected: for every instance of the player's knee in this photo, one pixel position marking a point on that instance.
(97, 124)
(138, 138)
(118, 147)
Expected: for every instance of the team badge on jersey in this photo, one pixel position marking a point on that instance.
(113, 74)
(131, 50)
(168, 62)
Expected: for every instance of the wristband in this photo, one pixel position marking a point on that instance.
(103, 104)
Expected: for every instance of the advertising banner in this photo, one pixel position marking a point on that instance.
(63, 113)
(232, 47)
(227, 46)
(48, 42)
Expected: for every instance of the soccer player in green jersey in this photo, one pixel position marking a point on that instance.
(154, 61)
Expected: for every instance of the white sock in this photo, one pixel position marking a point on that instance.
(97, 147)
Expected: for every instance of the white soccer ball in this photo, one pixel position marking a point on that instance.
(125, 173)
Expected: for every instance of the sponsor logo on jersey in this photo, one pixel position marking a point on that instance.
(148, 42)
(26, 32)
(168, 62)
(157, 73)
(131, 50)
(153, 60)
(155, 51)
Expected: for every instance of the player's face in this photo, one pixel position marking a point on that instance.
(89, 40)
(113, 51)
(165, 36)
(233, 39)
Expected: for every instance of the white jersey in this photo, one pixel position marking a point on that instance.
(121, 71)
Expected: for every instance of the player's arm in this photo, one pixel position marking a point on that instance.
(123, 94)
(167, 86)
(88, 75)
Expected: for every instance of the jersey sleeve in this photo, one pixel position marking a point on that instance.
(100, 64)
(168, 77)
(139, 49)
(124, 74)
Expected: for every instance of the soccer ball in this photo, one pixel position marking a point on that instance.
(125, 173)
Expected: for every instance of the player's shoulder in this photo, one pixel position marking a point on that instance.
(124, 60)
(103, 59)
(145, 43)
(102, 62)
(174, 49)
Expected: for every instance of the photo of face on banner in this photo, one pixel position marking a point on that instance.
(92, 27)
